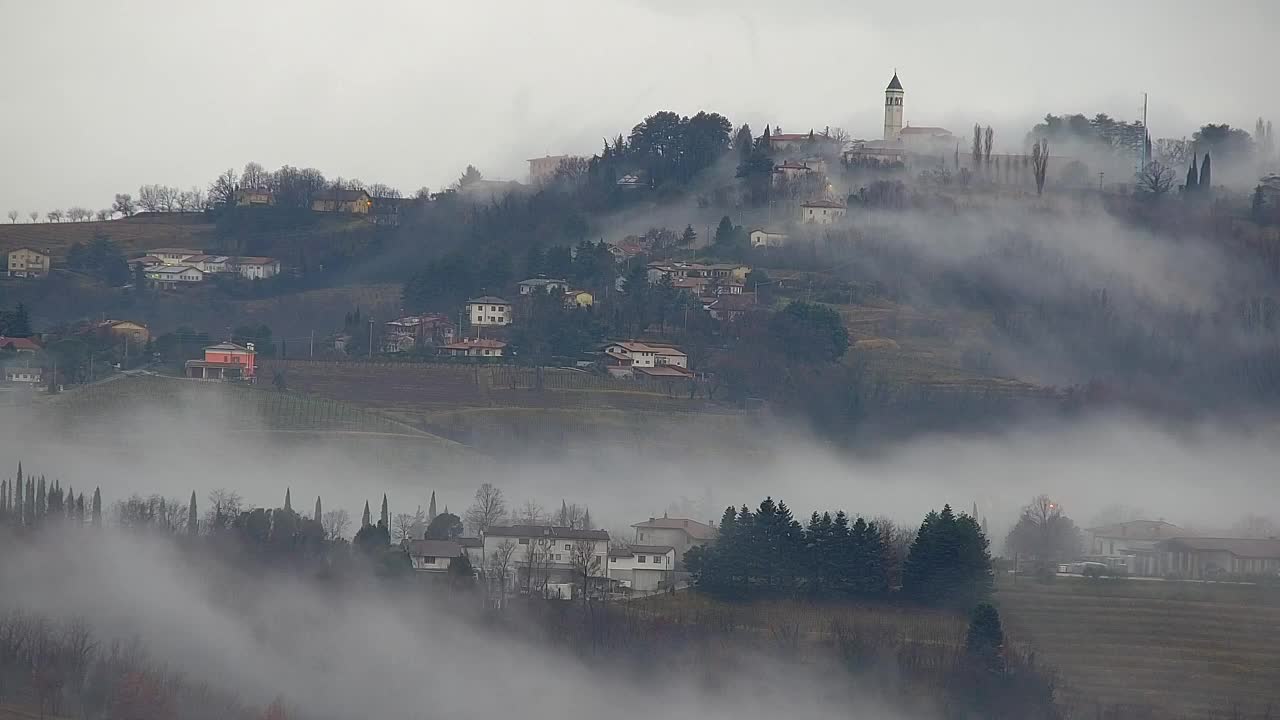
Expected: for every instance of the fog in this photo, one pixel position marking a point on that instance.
(105, 98)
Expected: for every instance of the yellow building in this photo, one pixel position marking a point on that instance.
(136, 332)
(356, 202)
(578, 298)
(26, 262)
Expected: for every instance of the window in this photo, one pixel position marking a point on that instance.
(641, 537)
(567, 546)
(657, 559)
(613, 559)
(428, 560)
(524, 541)
(557, 558)
(640, 558)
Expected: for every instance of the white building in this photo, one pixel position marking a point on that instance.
(432, 555)
(542, 285)
(821, 212)
(208, 263)
(23, 374)
(921, 140)
(489, 311)
(173, 256)
(255, 268)
(767, 238)
(539, 556)
(171, 276)
(1135, 542)
(639, 354)
(643, 568)
(678, 533)
(893, 97)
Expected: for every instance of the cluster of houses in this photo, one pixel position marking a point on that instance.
(1155, 548)
(168, 268)
(25, 363)
(553, 561)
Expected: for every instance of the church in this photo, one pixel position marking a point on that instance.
(901, 140)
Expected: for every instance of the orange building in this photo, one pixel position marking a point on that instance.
(225, 361)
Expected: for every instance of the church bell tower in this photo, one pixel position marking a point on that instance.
(893, 109)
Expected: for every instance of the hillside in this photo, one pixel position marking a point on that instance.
(141, 232)
(1194, 650)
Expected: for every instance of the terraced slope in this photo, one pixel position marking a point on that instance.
(1194, 654)
(131, 234)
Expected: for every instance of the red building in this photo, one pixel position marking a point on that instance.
(225, 361)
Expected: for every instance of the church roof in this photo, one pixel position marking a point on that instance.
(894, 84)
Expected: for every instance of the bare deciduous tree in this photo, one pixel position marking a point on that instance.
(530, 513)
(1155, 179)
(1044, 534)
(587, 564)
(335, 524)
(402, 525)
(124, 204)
(34, 215)
(498, 572)
(13, 216)
(223, 190)
(255, 177)
(54, 215)
(103, 215)
(224, 507)
(1255, 526)
(488, 508)
(988, 137)
(1040, 163)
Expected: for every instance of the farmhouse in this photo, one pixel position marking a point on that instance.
(489, 311)
(543, 555)
(821, 212)
(136, 332)
(225, 361)
(1135, 542)
(171, 276)
(643, 568)
(678, 533)
(432, 329)
(542, 285)
(254, 268)
(730, 307)
(767, 238)
(260, 197)
(1213, 558)
(354, 202)
(432, 556)
(28, 262)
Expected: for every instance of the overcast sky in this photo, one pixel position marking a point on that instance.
(103, 97)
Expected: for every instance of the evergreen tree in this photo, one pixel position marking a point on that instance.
(316, 516)
(4, 499)
(40, 507)
(193, 520)
(384, 517)
(71, 503)
(288, 501)
(984, 642)
(690, 236)
(97, 507)
(1206, 174)
(1193, 176)
(431, 507)
(948, 563)
(365, 519)
(80, 509)
(1257, 205)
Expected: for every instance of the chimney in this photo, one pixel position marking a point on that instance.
(650, 519)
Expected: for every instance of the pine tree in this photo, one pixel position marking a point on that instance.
(193, 520)
(1193, 176)
(948, 563)
(365, 519)
(984, 642)
(317, 515)
(288, 501)
(1206, 175)
(384, 518)
(97, 507)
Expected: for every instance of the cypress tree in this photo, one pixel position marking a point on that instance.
(317, 514)
(4, 498)
(288, 501)
(384, 517)
(1206, 174)
(1193, 176)
(97, 507)
(193, 520)
(431, 508)
(80, 509)
(29, 514)
(41, 508)
(71, 503)
(365, 520)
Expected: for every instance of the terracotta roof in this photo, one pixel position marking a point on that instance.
(1240, 547)
(789, 137)
(693, 528)
(433, 548)
(19, 343)
(664, 371)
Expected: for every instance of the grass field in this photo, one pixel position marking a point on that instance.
(1186, 649)
(130, 234)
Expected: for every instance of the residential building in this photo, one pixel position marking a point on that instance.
(431, 329)
(730, 307)
(488, 311)
(639, 354)
(767, 238)
(578, 298)
(136, 332)
(680, 534)
(544, 555)
(258, 197)
(355, 202)
(254, 268)
(23, 373)
(225, 361)
(28, 262)
(542, 285)
(643, 568)
(145, 261)
(208, 263)
(631, 182)
(1131, 543)
(684, 270)
(473, 547)
(475, 347)
(792, 171)
(171, 276)
(432, 556)
(669, 355)
(387, 211)
(173, 256)
(821, 212)
(19, 344)
(398, 342)
(544, 168)
(1199, 558)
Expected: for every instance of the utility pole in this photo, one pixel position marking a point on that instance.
(313, 344)
(1100, 181)
(370, 338)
